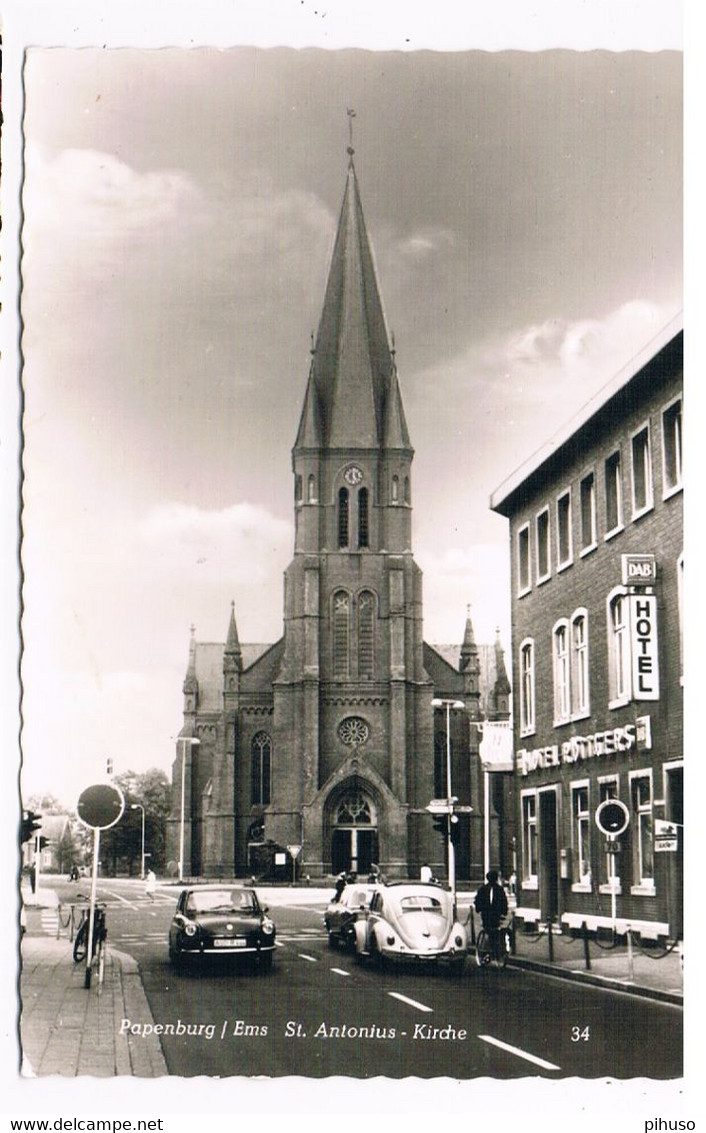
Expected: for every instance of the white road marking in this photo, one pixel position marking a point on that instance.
(340, 971)
(305, 957)
(413, 1002)
(520, 1053)
(117, 897)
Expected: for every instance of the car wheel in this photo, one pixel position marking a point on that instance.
(175, 957)
(266, 961)
(332, 940)
(349, 941)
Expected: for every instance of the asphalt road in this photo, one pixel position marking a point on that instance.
(318, 1013)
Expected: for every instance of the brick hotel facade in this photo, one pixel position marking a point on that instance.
(596, 536)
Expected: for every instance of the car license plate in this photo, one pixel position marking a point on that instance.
(230, 942)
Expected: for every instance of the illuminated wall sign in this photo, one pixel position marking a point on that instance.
(577, 748)
(645, 663)
(639, 570)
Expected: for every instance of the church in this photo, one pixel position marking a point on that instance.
(321, 751)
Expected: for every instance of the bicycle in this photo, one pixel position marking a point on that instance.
(493, 946)
(100, 932)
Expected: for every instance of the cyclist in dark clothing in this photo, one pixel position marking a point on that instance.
(491, 901)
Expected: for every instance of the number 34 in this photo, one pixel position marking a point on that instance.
(580, 1033)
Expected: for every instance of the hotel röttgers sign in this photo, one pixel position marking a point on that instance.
(625, 738)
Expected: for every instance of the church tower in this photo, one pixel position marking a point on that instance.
(353, 722)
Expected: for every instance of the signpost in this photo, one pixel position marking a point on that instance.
(612, 818)
(294, 852)
(99, 807)
(666, 836)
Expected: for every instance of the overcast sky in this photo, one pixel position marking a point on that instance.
(525, 215)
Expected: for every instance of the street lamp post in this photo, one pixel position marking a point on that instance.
(449, 704)
(192, 742)
(139, 806)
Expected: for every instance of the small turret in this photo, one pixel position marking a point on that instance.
(470, 663)
(501, 689)
(191, 684)
(232, 657)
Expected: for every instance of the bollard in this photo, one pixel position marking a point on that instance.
(586, 953)
(550, 940)
(631, 961)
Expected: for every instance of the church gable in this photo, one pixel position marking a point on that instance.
(260, 666)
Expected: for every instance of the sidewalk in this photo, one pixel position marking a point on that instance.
(69, 1030)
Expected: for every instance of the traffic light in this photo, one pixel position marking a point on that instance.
(42, 842)
(31, 823)
(109, 766)
(439, 823)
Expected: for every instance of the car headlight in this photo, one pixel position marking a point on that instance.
(458, 941)
(390, 938)
(190, 929)
(268, 927)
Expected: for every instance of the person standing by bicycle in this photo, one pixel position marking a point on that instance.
(491, 902)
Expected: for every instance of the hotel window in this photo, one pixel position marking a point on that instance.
(642, 837)
(529, 840)
(580, 704)
(523, 559)
(527, 688)
(619, 655)
(581, 835)
(588, 513)
(671, 448)
(341, 634)
(363, 521)
(608, 789)
(613, 495)
(543, 546)
(343, 517)
(642, 498)
(366, 634)
(312, 490)
(260, 763)
(563, 528)
(560, 652)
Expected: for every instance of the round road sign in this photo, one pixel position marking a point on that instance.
(100, 806)
(612, 817)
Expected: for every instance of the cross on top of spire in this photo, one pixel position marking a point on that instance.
(351, 116)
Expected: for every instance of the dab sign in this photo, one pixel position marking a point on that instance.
(639, 570)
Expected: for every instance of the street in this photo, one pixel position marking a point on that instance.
(319, 1013)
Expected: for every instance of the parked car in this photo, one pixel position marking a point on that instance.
(221, 920)
(341, 914)
(413, 922)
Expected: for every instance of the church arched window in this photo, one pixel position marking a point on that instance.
(395, 489)
(311, 490)
(341, 634)
(297, 489)
(440, 785)
(366, 634)
(407, 491)
(260, 768)
(343, 517)
(363, 519)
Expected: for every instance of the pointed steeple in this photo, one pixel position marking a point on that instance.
(232, 650)
(352, 364)
(396, 435)
(191, 685)
(502, 684)
(309, 434)
(469, 648)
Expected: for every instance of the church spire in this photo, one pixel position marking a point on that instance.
(469, 648)
(352, 384)
(232, 649)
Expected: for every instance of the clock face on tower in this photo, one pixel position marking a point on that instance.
(353, 475)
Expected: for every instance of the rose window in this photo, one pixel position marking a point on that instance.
(353, 731)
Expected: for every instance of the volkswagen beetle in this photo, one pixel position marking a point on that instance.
(412, 922)
(221, 920)
(341, 914)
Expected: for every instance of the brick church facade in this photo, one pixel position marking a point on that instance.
(327, 740)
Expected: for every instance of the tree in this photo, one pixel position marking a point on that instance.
(121, 845)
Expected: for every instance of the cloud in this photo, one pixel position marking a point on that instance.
(424, 243)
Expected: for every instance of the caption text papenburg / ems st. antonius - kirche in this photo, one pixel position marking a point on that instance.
(320, 752)
(596, 538)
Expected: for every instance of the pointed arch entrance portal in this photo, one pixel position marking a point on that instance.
(354, 832)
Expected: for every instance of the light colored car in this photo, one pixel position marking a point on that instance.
(341, 915)
(221, 920)
(413, 922)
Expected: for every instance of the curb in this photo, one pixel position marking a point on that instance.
(141, 1057)
(605, 982)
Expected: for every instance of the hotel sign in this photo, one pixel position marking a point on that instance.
(639, 570)
(643, 632)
